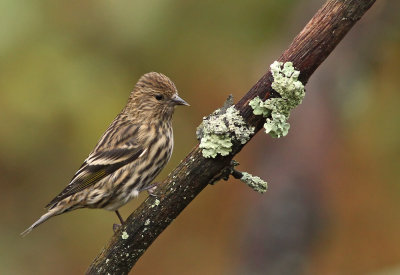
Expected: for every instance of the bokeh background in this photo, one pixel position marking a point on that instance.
(333, 205)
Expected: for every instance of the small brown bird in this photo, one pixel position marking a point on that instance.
(129, 155)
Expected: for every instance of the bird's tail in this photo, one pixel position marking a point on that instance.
(41, 220)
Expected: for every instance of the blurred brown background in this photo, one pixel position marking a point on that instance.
(333, 205)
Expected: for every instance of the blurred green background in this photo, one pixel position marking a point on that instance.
(333, 205)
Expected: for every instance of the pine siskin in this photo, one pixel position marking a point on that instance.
(129, 155)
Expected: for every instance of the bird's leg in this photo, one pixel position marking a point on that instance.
(150, 188)
(119, 217)
(117, 226)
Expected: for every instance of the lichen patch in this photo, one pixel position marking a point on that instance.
(277, 110)
(219, 130)
(254, 182)
(124, 235)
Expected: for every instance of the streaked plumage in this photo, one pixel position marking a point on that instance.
(129, 155)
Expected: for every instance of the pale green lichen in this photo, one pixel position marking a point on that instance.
(147, 222)
(214, 144)
(124, 235)
(277, 126)
(156, 203)
(286, 83)
(256, 183)
(277, 110)
(218, 131)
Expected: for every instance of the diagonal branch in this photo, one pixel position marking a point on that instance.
(307, 51)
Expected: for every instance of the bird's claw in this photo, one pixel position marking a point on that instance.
(116, 227)
(151, 191)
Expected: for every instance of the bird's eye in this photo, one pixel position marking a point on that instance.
(158, 97)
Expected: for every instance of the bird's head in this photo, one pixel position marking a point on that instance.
(154, 97)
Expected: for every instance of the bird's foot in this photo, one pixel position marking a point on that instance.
(116, 227)
(151, 189)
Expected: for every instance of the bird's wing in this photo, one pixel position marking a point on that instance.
(102, 163)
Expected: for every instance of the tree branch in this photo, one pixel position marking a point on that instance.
(307, 51)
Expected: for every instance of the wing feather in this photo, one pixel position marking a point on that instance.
(102, 163)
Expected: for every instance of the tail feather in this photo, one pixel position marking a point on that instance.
(41, 220)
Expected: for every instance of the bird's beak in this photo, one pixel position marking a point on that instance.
(178, 101)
